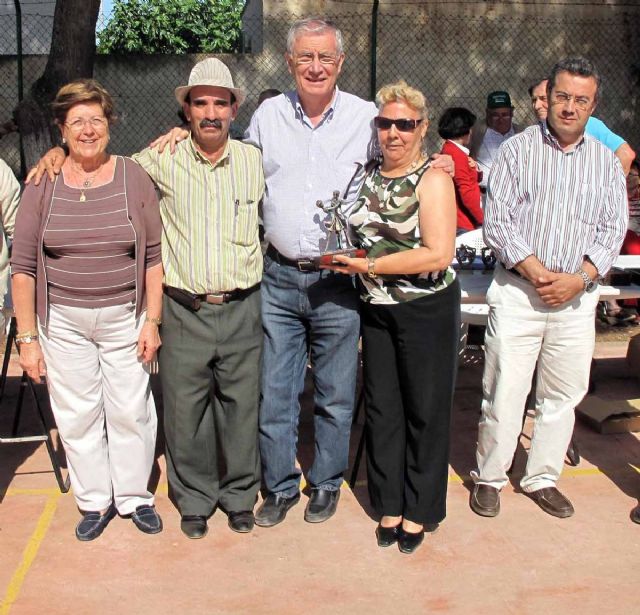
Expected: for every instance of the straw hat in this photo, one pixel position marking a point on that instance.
(210, 72)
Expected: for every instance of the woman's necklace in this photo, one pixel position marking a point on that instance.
(87, 184)
(415, 164)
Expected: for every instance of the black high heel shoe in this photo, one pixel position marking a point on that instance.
(408, 542)
(387, 535)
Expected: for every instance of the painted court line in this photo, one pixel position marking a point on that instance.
(30, 552)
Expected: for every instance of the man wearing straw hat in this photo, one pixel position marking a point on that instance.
(212, 331)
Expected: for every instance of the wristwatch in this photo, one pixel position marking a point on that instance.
(589, 284)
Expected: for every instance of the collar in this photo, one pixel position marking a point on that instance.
(200, 157)
(328, 114)
(506, 135)
(462, 147)
(551, 140)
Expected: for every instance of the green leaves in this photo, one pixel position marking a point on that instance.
(173, 26)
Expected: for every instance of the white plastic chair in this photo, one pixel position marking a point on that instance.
(473, 239)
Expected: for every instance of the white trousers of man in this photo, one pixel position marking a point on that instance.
(523, 331)
(102, 402)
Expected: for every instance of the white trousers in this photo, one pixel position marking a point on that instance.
(522, 331)
(102, 402)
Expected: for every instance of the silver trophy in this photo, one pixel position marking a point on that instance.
(337, 227)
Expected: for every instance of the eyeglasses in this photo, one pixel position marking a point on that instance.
(326, 59)
(581, 102)
(403, 125)
(77, 125)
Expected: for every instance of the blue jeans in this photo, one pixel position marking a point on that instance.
(321, 309)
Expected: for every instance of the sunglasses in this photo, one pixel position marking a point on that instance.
(403, 125)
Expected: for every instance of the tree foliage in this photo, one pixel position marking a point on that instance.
(172, 26)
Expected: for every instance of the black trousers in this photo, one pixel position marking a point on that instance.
(410, 362)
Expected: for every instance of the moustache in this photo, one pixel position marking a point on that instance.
(216, 123)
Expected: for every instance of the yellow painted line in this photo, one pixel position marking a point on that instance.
(585, 471)
(29, 554)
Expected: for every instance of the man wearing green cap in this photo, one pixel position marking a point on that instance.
(489, 136)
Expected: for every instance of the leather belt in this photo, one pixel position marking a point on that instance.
(193, 301)
(302, 264)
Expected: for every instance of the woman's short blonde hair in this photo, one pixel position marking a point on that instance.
(402, 91)
(82, 91)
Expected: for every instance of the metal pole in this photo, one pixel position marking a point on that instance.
(374, 49)
(20, 77)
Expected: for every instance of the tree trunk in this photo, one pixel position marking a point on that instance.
(73, 46)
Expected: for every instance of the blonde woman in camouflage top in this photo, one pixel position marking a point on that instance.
(406, 219)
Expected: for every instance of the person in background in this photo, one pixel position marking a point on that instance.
(405, 218)
(9, 199)
(267, 94)
(489, 135)
(87, 293)
(456, 125)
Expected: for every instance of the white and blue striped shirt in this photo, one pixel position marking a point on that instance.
(559, 206)
(304, 164)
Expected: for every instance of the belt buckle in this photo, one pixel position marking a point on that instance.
(216, 299)
(306, 265)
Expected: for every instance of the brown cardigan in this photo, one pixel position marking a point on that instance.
(33, 214)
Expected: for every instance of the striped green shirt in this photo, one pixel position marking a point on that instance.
(209, 215)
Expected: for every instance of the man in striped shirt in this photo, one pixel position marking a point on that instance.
(556, 216)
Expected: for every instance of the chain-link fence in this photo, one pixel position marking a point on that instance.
(454, 59)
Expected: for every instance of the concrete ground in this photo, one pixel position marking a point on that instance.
(522, 561)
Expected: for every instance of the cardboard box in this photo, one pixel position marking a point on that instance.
(608, 416)
(633, 354)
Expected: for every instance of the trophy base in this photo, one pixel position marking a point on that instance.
(328, 258)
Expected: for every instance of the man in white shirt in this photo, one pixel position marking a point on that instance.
(489, 135)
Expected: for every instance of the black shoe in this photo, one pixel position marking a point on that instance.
(274, 509)
(194, 526)
(388, 535)
(485, 500)
(146, 519)
(552, 502)
(241, 521)
(92, 524)
(322, 505)
(408, 542)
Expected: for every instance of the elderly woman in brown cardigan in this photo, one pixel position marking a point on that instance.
(87, 290)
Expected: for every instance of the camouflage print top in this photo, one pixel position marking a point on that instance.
(385, 221)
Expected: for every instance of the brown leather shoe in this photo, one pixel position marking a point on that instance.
(485, 500)
(552, 502)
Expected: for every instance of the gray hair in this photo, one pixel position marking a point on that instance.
(313, 25)
(578, 66)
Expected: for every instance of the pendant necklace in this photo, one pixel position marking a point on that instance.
(87, 184)
(415, 164)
